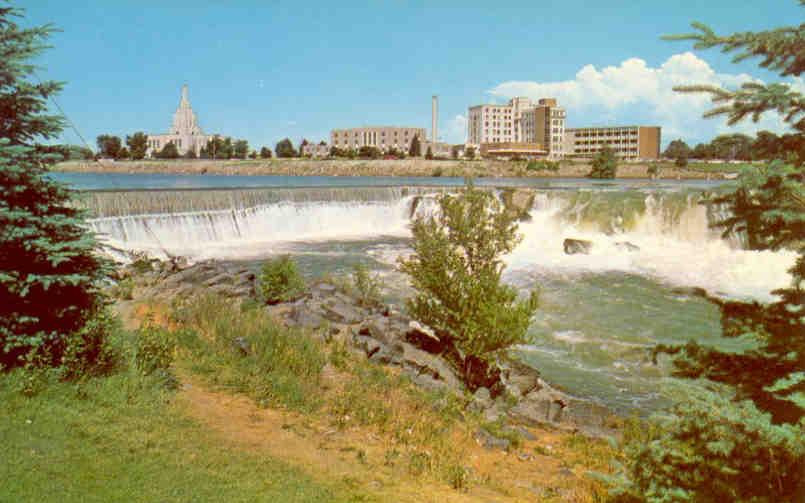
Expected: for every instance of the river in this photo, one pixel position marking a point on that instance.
(600, 313)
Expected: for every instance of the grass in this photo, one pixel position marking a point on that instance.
(122, 438)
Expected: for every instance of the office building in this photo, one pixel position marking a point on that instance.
(628, 142)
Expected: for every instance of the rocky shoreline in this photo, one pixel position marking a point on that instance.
(382, 335)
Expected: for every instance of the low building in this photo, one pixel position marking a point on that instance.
(514, 149)
(520, 121)
(382, 137)
(185, 131)
(320, 149)
(628, 142)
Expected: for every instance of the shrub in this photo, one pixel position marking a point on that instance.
(681, 162)
(552, 166)
(154, 348)
(456, 270)
(89, 351)
(49, 274)
(367, 286)
(279, 281)
(605, 164)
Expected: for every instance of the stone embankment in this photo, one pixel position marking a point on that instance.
(387, 337)
(378, 167)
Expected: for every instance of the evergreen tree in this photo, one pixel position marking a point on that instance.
(677, 149)
(48, 272)
(741, 436)
(429, 153)
(285, 148)
(265, 153)
(415, 150)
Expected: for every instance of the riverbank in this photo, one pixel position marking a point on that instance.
(384, 167)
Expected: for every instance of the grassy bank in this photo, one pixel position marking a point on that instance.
(250, 411)
(127, 438)
(403, 167)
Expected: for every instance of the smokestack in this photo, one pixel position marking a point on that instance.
(434, 118)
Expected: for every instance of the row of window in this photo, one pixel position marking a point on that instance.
(606, 142)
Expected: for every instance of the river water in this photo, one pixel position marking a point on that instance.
(600, 313)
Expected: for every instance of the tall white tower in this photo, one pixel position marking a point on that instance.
(434, 118)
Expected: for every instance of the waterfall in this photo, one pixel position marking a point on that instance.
(671, 229)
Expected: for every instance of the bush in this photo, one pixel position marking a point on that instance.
(542, 166)
(456, 270)
(367, 286)
(279, 281)
(89, 351)
(154, 348)
(681, 162)
(605, 164)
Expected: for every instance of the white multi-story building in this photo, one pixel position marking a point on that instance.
(519, 121)
(185, 132)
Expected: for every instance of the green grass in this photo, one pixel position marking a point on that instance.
(121, 438)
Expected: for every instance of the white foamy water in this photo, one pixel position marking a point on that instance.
(675, 243)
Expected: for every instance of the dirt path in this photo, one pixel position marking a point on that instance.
(357, 456)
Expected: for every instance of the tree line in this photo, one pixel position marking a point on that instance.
(765, 146)
(136, 148)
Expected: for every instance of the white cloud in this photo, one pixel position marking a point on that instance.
(456, 130)
(634, 92)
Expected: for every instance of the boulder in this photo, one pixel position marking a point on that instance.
(422, 362)
(577, 246)
(339, 311)
(486, 439)
(518, 378)
(423, 337)
(540, 407)
(304, 314)
(627, 246)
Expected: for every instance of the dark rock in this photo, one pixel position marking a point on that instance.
(424, 338)
(369, 345)
(540, 407)
(218, 279)
(627, 246)
(577, 246)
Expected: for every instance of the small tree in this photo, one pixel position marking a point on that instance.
(241, 149)
(304, 143)
(49, 273)
(677, 149)
(454, 152)
(191, 153)
(469, 153)
(279, 281)
(285, 148)
(169, 151)
(605, 164)
(265, 153)
(456, 270)
(415, 150)
(109, 146)
(429, 154)
(681, 162)
(138, 145)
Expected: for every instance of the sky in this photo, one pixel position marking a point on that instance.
(268, 69)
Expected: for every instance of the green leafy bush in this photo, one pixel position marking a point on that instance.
(367, 286)
(279, 281)
(90, 351)
(552, 166)
(154, 348)
(605, 164)
(456, 270)
(49, 275)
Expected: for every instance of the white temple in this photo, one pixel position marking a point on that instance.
(185, 132)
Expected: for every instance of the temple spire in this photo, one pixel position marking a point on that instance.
(185, 101)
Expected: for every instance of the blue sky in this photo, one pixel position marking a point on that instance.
(264, 70)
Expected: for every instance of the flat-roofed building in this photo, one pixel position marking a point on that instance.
(513, 149)
(382, 137)
(628, 142)
(519, 121)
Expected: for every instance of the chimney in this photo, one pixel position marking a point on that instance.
(434, 118)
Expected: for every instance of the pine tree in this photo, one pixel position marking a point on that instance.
(48, 272)
(741, 437)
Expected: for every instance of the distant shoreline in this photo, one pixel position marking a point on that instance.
(402, 167)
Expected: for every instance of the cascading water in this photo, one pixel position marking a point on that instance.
(600, 313)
